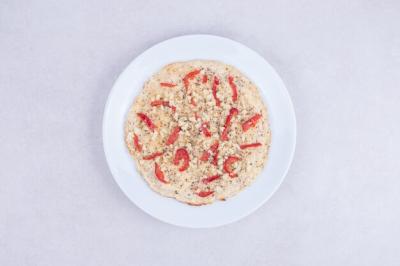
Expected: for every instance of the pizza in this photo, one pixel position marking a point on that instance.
(198, 131)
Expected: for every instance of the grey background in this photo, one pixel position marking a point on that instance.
(340, 202)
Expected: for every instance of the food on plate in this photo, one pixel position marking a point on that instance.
(198, 131)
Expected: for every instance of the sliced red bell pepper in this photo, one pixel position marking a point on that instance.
(204, 194)
(214, 91)
(167, 84)
(147, 121)
(205, 78)
(136, 143)
(173, 136)
(182, 154)
(232, 112)
(233, 87)
(215, 151)
(193, 102)
(189, 76)
(251, 122)
(159, 174)
(215, 146)
(250, 145)
(215, 158)
(205, 155)
(163, 103)
(228, 165)
(205, 129)
(152, 156)
(209, 179)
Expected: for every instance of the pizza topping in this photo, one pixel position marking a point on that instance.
(205, 78)
(215, 146)
(182, 154)
(196, 115)
(233, 87)
(205, 129)
(214, 91)
(251, 122)
(204, 156)
(215, 158)
(228, 165)
(162, 103)
(159, 173)
(173, 136)
(147, 121)
(166, 84)
(153, 156)
(232, 112)
(204, 194)
(250, 145)
(192, 102)
(136, 143)
(210, 179)
(214, 149)
(189, 76)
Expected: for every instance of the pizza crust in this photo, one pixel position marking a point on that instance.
(185, 186)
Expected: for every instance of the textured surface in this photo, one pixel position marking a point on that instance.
(339, 204)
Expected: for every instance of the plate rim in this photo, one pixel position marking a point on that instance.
(287, 96)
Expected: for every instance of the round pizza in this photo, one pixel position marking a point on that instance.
(198, 131)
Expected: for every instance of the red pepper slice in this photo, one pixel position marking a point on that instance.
(136, 143)
(204, 194)
(251, 122)
(182, 154)
(210, 179)
(215, 146)
(204, 128)
(205, 78)
(159, 173)
(214, 91)
(147, 121)
(206, 154)
(167, 84)
(234, 88)
(152, 156)
(250, 145)
(214, 150)
(215, 158)
(232, 112)
(189, 76)
(228, 165)
(192, 102)
(173, 136)
(162, 103)
(204, 157)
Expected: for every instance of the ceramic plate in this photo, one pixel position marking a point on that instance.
(282, 123)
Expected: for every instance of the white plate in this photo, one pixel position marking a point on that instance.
(274, 93)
